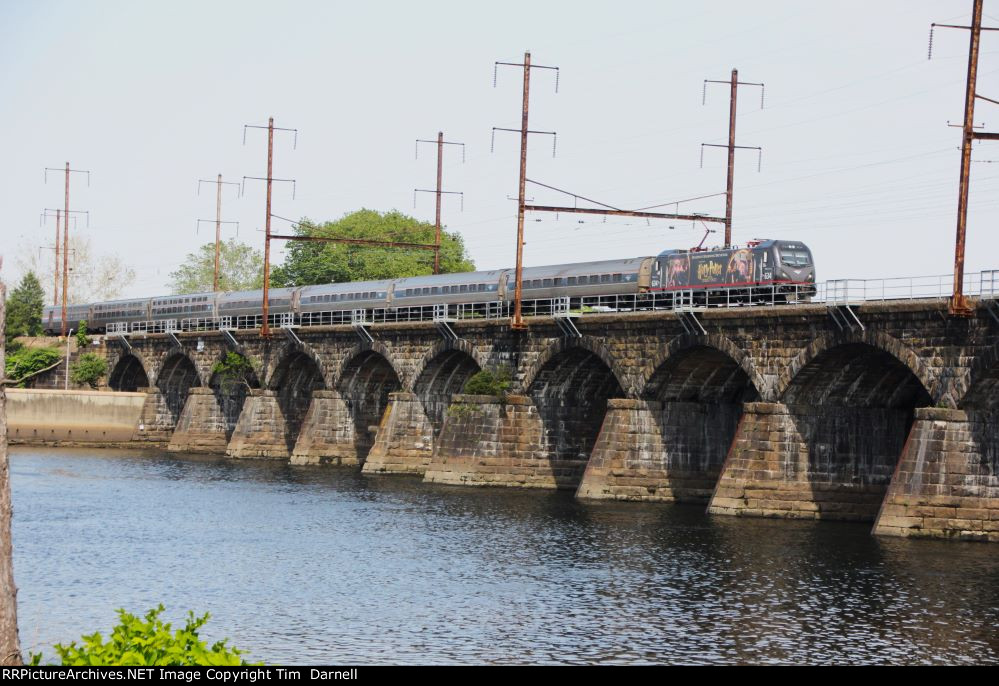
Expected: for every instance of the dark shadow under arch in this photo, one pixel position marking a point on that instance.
(701, 391)
(128, 375)
(177, 376)
(442, 377)
(851, 408)
(230, 394)
(571, 392)
(365, 383)
(294, 379)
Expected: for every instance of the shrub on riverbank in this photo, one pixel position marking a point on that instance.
(147, 641)
(88, 370)
(23, 362)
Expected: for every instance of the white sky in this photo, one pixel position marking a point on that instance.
(858, 161)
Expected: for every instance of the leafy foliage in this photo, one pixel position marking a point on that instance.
(88, 369)
(312, 263)
(82, 339)
(241, 268)
(23, 362)
(148, 641)
(24, 308)
(233, 370)
(495, 382)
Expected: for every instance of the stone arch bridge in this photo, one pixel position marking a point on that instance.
(770, 412)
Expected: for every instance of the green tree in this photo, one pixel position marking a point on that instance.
(241, 268)
(24, 308)
(311, 263)
(88, 369)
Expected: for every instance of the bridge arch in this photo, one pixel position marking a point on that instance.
(360, 349)
(444, 371)
(297, 374)
(850, 408)
(231, 392)
(570, 389)
(364, 383)
(286, 353)
(177, 375)
(697, 388)
(589, 344)
(702, 368)
(896, 353)
(129, 373)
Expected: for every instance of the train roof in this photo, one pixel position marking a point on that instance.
(585, 268)
(228, 296)
(456, 278)
(756, 243)
(346, 287)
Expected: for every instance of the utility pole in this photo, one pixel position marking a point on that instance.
(265, 326)
(440, 170)
(218, 220)
(959, 306)
(734, 84)
(518, 320)
(55, 289)
(65, 237)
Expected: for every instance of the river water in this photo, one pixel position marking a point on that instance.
(303, 565)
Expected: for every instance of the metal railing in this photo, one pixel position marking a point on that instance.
(836, 292)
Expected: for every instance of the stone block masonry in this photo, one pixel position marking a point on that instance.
(809, 463)
(201, 427)
(655, 451)
(647, 403)
(947, 481)
(405, 440)
(261, 429)
(488, 442)
(328, 435)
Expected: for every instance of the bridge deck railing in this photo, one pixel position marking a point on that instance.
(837, 292)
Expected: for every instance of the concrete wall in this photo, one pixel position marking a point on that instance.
(37, 415)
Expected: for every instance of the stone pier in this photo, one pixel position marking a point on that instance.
(327, 435)
(202, 426)
(488, 442)
(947, 481)
(810, 462)
(261, 429)
(156, 422)
(659, 451)
(405, 440)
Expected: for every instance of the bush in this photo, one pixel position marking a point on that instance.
(234, 370)
(23, 362)
(147, 641)
(88, 370)
(82, 340)
(494, 382)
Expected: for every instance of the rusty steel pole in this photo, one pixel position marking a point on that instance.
(958, 302)
(731, 159)
(65, 254)
(440, 173)
(218, 230)
(265, 329)
(55, 289)
(518, 320)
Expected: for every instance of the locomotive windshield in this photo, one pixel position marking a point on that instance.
(795, 257)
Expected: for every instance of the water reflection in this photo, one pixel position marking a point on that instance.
(307, 564)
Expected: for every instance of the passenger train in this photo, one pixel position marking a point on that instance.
(763, 271)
